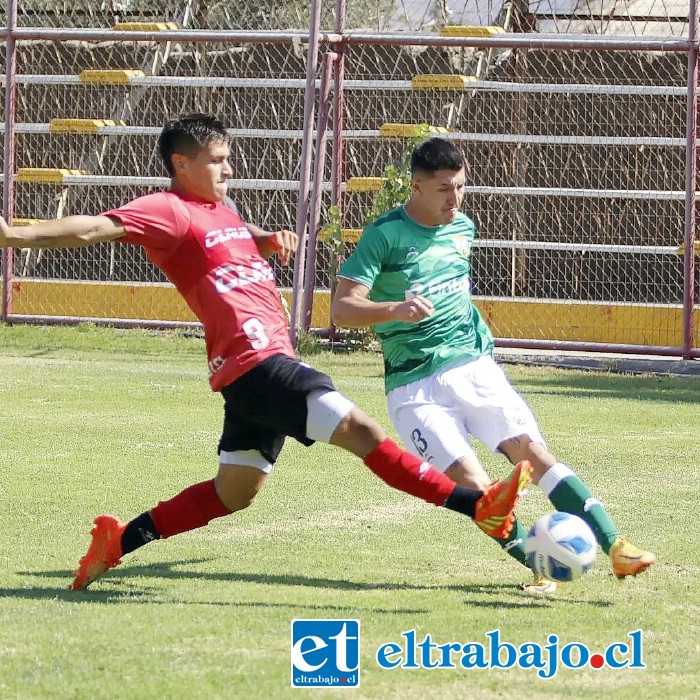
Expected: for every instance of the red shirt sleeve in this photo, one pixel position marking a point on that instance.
(152, 221)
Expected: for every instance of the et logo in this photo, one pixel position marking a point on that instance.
(325, 653)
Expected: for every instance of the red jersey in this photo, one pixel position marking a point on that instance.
(209, 254)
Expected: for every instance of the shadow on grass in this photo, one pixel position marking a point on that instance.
(63, 595)
(153, 597)
(170, 570)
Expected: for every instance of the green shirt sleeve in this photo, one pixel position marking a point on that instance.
(365, 263)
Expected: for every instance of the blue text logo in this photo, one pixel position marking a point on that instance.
(546, 659)
(325, 653)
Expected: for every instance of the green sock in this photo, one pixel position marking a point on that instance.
(570, 495)
(514, 544)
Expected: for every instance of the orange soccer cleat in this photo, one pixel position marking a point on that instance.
(494, 510)
(628, 560)
(104, 552)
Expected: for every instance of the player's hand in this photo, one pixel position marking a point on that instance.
(285, 244)
(414, 310)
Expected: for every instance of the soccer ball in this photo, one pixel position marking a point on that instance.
(560, 547)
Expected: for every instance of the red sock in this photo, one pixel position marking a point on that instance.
(407, 473)
(192, 508)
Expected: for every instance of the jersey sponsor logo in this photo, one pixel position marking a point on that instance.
(462, 245)
(454, 286)
(215, 364)
(228, 277)
(222, 235)
(414, 290)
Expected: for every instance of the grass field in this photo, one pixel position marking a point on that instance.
(96, 420)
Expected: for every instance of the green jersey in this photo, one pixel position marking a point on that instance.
(398, 258)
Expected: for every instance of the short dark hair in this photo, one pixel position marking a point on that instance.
(436, 154)
(188, 135)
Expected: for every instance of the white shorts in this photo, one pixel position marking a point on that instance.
(436, 417)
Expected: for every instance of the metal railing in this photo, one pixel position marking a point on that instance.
(583, 177)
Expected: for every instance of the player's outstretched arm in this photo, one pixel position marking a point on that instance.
(352, 308)
(68, 232)
(284, 243)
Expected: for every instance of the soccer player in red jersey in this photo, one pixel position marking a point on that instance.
(217, 263)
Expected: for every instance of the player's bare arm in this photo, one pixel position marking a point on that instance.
(68, 232)
(352, 307)
(284, 243)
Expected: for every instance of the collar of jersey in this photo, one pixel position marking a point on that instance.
(194, 199)
(426, 230)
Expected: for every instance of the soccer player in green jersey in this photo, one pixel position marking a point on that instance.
(409, 278)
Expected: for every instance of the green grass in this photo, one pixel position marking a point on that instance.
(96, 420)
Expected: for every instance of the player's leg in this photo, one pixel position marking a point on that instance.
(509, 427)
(478, 397)
(246, 455)
(502, 420)
(233, 489)
(433, 428)
(354, 431)
(466, 473)
(568, 493)
(562, 486)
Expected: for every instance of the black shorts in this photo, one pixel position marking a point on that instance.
(267, 404)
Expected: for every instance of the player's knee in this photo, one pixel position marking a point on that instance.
(237, 486)
(358, 433)
(236, 500)
(242, 501)
(358, 422)
(326, 410)
(524, 447)
(520, 447)
(469, 473)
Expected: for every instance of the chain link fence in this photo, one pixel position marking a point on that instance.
(577, 158)
(599, 173)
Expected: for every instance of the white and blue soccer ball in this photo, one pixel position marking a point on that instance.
(560, 547)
